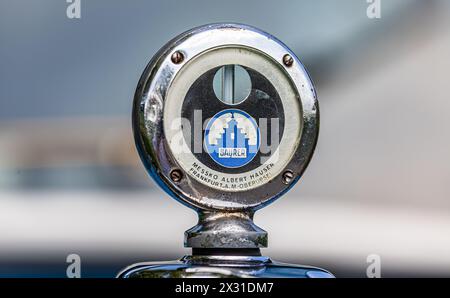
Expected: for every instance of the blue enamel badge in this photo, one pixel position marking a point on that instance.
(232, 138)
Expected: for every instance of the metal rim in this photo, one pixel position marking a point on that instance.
(148, 112)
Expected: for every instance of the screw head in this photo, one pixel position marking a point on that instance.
(177, 57)
(288, 60)
(288, 177)
(176, 175)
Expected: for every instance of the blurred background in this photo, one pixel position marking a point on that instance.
(71, 181)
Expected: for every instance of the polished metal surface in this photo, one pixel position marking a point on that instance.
(225, 214)
(222, 267)
(225, 230)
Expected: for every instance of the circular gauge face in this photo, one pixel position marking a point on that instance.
(225, 118)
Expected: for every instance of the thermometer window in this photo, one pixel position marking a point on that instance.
(232, 84)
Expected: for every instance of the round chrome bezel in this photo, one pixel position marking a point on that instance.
(149, 106)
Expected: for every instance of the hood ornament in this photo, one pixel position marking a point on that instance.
(225, 120)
